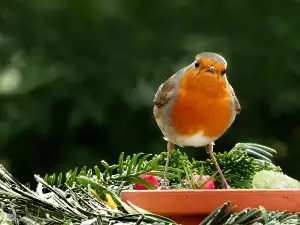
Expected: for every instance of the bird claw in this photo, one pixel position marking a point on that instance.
(163, 187)
(225, 185)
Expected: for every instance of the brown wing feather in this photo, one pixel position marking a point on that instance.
(237, 103)
(166, 91)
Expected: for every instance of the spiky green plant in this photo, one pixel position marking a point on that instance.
(225, 215)
(239, 166)
(74, 205)
(80, 197)
(116, 177)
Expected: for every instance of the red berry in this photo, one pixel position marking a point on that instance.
(151, 179)
(209, 185)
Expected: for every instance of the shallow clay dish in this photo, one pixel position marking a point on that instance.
(190, 207)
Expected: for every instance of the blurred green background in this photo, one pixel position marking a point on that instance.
(77, 78)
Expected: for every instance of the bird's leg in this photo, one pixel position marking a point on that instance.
(170, 147)
(209, 150)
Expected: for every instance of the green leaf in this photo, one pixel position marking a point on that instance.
(68, 222)
(82, 171)
(140, 220)
(170, 169)
(135, 158)
(288, 218)
(189, 177)
(71, 177)
(155, 161)
(141, 162)
(237, 216)
(201, 174)
(98, 188)
(208, 180)
(89, 173)
(260, 151)
(268, 149)
(151, 164)
(138, 180)
(59, 179)
(113, 167)
(107, 168)
(219, 213)
(46, 178)
(128, 209)
(161, 174)
(121, 158)
(258, 155)
(132, 163)
(248, 216)
(127, 159)
(180, 180)
(228, 212)
(97, 171)
(53, 179)
(264, 214)
(207, 220)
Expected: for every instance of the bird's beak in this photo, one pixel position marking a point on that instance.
(210, 69)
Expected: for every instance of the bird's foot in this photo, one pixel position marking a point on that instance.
(164, 185)
(163, 188)
(225, 185)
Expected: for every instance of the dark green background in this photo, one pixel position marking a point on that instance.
(77, 78)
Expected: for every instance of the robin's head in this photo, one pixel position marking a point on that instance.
(207, 73)
(210, 63)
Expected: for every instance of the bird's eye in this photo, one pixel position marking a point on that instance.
(196, 64)
(223, 72)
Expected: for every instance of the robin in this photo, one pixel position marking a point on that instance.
(196, 105)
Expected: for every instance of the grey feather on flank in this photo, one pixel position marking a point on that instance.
(167, 90)
(235, 99)
(237, 103)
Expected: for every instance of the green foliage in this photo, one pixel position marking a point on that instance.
(224, 215)
(273, 180)
(74, 205)
(95, 192)
(178, 160)
(51, 205)
(131, 168)
(260, 152)
(237, 165)
(4, 220)
(114, 177)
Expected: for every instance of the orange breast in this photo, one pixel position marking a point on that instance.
(202, 104)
